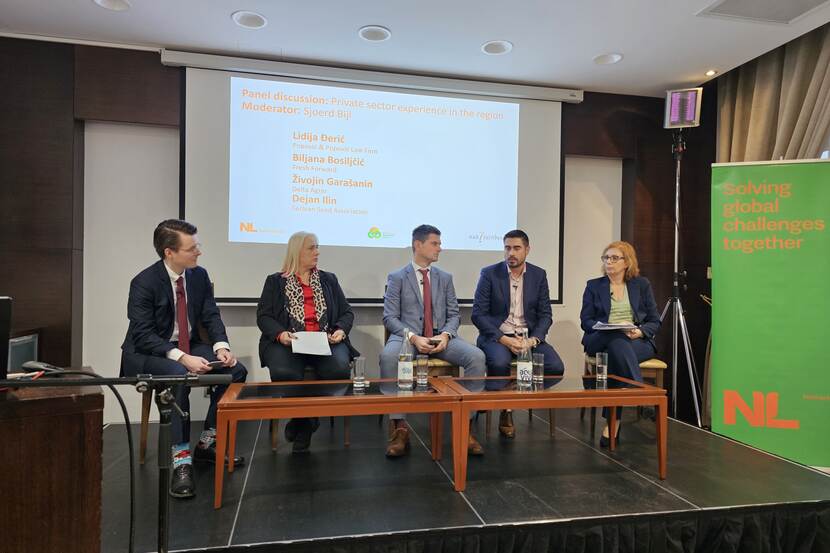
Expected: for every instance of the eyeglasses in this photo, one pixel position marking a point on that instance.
(611, 258)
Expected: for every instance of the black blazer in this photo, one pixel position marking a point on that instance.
(150, 309)
(272, 310)
(492, 302)
(596, 306)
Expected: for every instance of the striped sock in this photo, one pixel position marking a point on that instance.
(207, 437)
(181, 455)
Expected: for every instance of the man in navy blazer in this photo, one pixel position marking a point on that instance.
(167, 296)
(510, 296)
(431, 328)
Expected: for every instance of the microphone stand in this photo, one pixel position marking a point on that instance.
(678, 318)
(165, 401)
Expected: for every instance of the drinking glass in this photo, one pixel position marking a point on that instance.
(538, 370)
(421, 371)
(359, 374)
(602, 366)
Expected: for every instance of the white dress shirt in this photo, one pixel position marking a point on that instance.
(175, 354)
(516, 314)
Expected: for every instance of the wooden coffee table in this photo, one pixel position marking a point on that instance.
(325, 398)
(558, 393)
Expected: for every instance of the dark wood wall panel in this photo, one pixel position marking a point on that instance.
(631, 128)
(48, 90)
(40, 281)
(125, 85)
(35, 162)
(36, 195)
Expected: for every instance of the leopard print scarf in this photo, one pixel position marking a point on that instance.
(294, 298)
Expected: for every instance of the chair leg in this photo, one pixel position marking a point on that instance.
(380, 420)
(487, 419)
(582, 413)
(331, 422)
(146, 398)
(346, 442)
(275, 432)
(593, 421)
(551, 421)
(530, 415)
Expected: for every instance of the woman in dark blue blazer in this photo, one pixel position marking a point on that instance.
(621, 295)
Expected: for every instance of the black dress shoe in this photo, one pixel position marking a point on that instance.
(302, 439)
(293, 426)
(291, 430)
(208, 455)
(181, 483)
(302, 442)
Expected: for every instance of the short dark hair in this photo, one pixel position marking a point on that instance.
(167, 232)
(516, 233)
(421, 232)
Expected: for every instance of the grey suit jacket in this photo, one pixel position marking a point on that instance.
(403, 306)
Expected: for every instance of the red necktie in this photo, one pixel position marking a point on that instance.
(427, 304)
(181, 316)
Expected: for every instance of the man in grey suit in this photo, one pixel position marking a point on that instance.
(431, 326)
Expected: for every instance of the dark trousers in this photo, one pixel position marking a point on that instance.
(284, 364)
(179, 429)
(624, 355)
(498, 358)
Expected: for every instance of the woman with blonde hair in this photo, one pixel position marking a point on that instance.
(300, 297)
(621, 295)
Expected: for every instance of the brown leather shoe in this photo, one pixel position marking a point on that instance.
(506, 427)
(473, 447)
(398, 443)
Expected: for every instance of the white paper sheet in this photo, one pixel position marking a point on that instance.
(618, 326)
(311, 343)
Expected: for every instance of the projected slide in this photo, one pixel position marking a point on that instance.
(364, 167)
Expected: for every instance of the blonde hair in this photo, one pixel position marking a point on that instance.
(291, 263)
(633, 269)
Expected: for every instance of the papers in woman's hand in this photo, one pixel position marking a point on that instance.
(311, 343)
(615, 326)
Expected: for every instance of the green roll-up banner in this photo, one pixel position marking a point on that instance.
(770, 364)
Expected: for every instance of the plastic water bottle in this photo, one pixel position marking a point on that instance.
(524, 363)
(405, 367)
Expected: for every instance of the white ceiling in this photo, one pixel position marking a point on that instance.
(664, 43)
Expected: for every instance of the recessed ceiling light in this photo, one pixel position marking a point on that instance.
(113, 5)
(249, 20)
(608, 59)
(496, 47)
(711, 73)
(374, 33)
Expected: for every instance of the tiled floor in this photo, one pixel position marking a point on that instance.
(338, 491)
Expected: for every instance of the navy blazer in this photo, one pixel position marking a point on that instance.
(492, 302)
(596, 306)
(151, 311)
(272, 310)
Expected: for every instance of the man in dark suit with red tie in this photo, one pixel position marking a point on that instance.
(168, 302)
